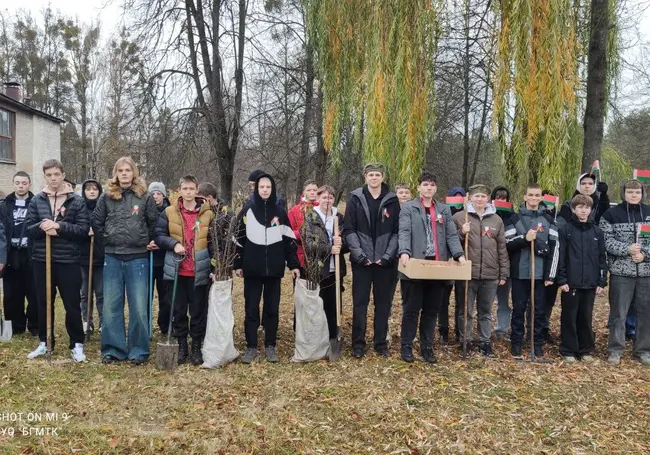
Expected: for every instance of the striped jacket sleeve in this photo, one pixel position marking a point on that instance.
(553, 259)
(514, 240)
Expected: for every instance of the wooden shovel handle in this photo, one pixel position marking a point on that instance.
(337, 275)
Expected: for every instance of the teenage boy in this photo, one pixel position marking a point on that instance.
(297, 216)
(18, 272)
(490, 264)
(582, 274)
(90, 191)
(125, 218)
(403, 193)
(628, 257)
(265, 246)
(159, 194)
(530, 226)
(586, 185)
(371, 231)
(58, 212)
(504, 312)
(426, 231)
(184, 229)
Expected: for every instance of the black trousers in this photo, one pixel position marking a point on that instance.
(67, 278)
(164, 290)
(254, 289)
(577, 334)
(550, 295)
(328, 294)
(520, 304)
(196, 300)
(421, 302)
(19, 285)
(443, 313)
(380, 281)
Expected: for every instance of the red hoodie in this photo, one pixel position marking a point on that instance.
(296, 219)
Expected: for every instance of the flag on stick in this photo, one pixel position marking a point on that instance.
(455, 201)
(641, 175)
(644, 231)
(551, 201)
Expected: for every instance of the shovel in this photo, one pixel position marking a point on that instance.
(336, 343)
(167, 352)
(150, 294)
(89, 310)
(6, 330)
(48, 294)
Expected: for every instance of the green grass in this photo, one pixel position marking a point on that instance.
(352, 407)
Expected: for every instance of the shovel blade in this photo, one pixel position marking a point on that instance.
(167, 356)
(336, 346)
(6, 330)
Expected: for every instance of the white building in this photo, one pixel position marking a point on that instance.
(28, 138)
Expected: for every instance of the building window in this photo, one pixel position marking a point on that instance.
(7, 134)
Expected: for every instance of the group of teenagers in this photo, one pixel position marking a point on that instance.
(571, 249)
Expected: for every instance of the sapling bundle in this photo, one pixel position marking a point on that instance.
(317, 246)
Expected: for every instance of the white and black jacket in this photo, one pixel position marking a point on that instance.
(265, 240)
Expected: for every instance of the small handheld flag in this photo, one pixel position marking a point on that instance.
(551, 201)
(641, 175)
(644, 231)
(502, 206)
(455, 201)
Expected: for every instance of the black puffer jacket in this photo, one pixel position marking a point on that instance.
(73, 221)
(583, 260)
(125, 219)
(265, 240)
(98, 249)
(159, 255)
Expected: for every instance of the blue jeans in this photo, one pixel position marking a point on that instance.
(503, 309)
(131, 277)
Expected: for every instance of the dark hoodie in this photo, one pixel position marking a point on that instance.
(98, 250)
(265, 240)
(505, 216)
(601, 202)
(13, 218)
(159, 255)
(454, 191)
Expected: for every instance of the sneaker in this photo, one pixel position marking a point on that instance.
(33, 332)
(270, 354)
(515, 350)
(645, 358)
(407, 354)
(39, 351)
(539, 351)
(109, 359)
(249, 356)
(384, 352)
(444, 336)
(570, 359)
(358, 353)
(614, 358)
(428, 356)
(78, 353)
(485, 349)
(588, 358)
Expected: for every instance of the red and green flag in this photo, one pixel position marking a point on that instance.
(595, 167)
(644, 230)
(455, 201)
(641, 175)
(502, 206)
(551, 201)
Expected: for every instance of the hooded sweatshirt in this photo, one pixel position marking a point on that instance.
(265, 240)
(504, 215)
(620, 225)
(66, 208)
(456, 190)
(601, 202)
(98, 249)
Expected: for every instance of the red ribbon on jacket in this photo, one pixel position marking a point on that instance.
(434, 228)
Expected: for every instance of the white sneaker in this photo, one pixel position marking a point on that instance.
(588, 358)
(39, 351)
(78, 353)
(570, 359)
(614, 358)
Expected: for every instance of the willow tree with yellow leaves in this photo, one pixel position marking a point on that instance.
(375, 58)
(535, 90)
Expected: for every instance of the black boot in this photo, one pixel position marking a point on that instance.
(428, 356)
(197, 357)
(182, 349)
(444, 336)
(407, 353)
(485, 349)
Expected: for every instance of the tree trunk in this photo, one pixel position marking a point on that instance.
(596, 83)
(466, 103)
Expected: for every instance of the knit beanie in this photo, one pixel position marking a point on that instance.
(158, 186)
(479, 188)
